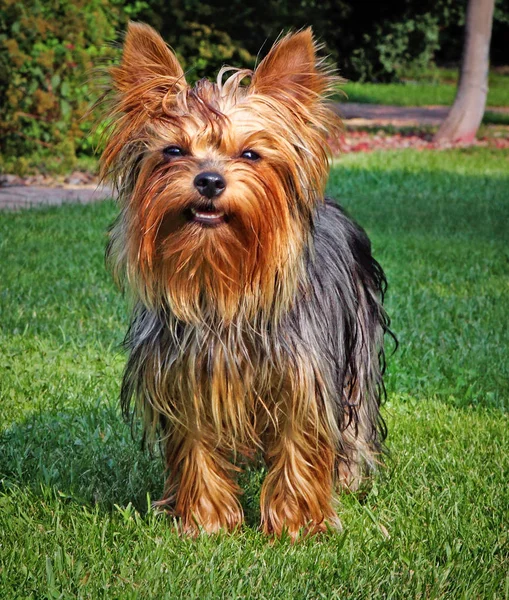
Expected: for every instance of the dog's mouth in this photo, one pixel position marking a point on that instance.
(206, 215)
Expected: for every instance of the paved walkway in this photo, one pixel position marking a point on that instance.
(379, 114)
(24, 196)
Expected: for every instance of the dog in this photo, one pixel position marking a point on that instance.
(257, 323)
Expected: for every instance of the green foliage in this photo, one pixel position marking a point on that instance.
(49, 52)
(48, 164)
(203, 50)
(396, 48)
(206, 35)
(387, 40)
(48, 49)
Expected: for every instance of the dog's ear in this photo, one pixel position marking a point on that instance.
(290, 70)
(148, 64)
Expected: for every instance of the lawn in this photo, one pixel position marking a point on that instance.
(74, 485)
(422, 93)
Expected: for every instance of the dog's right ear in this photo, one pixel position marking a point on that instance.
(148, 65)
(292, 72)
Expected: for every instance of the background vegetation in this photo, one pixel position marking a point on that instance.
(48, 49)
(432, 88)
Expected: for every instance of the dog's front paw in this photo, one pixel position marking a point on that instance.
(208, 517)
(297, 517)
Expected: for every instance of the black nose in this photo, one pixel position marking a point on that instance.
(209, 184)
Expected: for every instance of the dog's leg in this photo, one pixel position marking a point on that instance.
(200, 487)
(359, 457)
(297, 493)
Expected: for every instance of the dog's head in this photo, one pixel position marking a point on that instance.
(217, 181)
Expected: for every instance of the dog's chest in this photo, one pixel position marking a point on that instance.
(238, 358)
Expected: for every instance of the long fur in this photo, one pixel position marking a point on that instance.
(264, 335)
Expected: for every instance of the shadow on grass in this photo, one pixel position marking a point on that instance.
(93, 458)
(89, 456)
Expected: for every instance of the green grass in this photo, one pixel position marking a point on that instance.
(73, 495)
(422, 93)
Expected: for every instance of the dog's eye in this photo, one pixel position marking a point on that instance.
(250, 155)
(173, 152)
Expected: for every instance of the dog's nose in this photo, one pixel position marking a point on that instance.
(209, 184)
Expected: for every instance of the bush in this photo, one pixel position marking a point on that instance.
(397, 48)
(203, 50)
(47, 51)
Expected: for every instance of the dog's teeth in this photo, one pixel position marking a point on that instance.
(207, 215)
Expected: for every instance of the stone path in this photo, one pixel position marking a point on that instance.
(379, 114)
(24, 196)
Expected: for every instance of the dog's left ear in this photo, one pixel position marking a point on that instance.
(290, 70)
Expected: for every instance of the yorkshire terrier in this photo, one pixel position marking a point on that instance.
(257, 323)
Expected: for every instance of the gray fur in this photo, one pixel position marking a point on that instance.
(336, 325)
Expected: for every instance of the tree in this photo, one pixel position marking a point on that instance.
(466, 114)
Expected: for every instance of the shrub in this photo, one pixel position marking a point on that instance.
(396, 48)
(47, 51)
(203, 50)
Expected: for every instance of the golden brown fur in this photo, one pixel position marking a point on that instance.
(223, 361)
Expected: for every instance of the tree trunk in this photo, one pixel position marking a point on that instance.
(466, 114)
